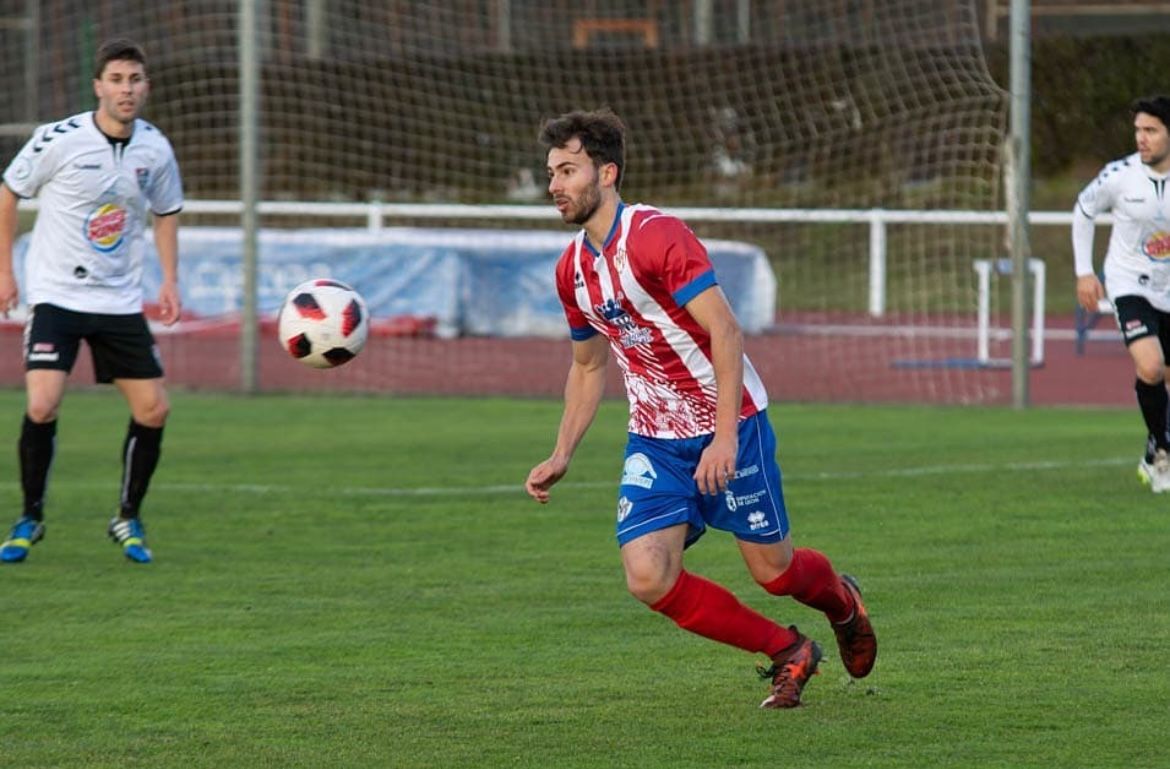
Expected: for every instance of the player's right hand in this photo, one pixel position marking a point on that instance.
(543, 476)
(1089, 292)
(9, 293)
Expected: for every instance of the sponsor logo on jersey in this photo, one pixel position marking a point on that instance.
(638, 471)
(630, 333)
(1157, 246)
(88, 166)
(143, 175)
(624, 508)
(105, 227)
(614, 314)
(578, 282)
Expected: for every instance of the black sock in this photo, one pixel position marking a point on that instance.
(35, 448)
(140, 453)
(1153, 401)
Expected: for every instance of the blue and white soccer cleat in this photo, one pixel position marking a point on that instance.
(25, 533)
(130, 534)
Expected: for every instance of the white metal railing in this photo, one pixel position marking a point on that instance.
(878, 219)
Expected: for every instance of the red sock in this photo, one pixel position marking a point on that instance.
(705, 608)
(811, 580)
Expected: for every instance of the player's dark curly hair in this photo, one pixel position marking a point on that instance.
(602, 134)
(119, 49)
(1158, 106)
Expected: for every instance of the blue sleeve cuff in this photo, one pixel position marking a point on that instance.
(694, 288)
(583, 333)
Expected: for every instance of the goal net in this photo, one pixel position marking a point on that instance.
(736, 108)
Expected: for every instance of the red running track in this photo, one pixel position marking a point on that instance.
(795, 366)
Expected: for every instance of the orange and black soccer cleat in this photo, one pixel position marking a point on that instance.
(855, 637)
(791, 668)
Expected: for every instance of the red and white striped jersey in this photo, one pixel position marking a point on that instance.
(635, 292)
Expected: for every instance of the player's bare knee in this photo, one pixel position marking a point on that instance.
(153, 414)
(42, 412)
(764, 575)
(1151, 373)
(649, 587)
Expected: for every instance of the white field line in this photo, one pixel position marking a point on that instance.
(518, 488)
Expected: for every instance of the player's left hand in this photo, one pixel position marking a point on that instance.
(170, 306)
(716, 465)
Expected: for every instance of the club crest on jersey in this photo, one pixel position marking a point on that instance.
(630, 333)
(105, 227)
(619, 259)
(1157, 246)
(143, 175)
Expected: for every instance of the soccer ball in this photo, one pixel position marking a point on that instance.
(323, 323)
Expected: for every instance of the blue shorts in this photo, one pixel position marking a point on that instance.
(658, 488)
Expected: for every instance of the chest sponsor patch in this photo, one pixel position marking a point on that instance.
(105, 227)
(1157, 246)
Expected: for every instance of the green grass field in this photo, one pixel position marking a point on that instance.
(360, 582)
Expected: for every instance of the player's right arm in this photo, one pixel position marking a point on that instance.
(9, 293)
(583, 391)
(32, 167)
(1094, 199)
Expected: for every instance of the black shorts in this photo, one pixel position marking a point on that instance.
(1137, 319)
(121, 345)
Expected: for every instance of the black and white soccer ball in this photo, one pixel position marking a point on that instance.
(323, 323)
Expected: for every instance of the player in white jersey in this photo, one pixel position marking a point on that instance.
(700, 452)
(97, 176)
(1137, 268)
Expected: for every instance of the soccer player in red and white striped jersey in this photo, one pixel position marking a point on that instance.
(637, 283)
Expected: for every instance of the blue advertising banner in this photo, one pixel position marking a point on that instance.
(461, 282)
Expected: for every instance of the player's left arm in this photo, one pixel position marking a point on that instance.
(717, 463)
(166, 242)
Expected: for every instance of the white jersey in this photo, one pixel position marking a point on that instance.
(1138, 259)
(87, 244)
